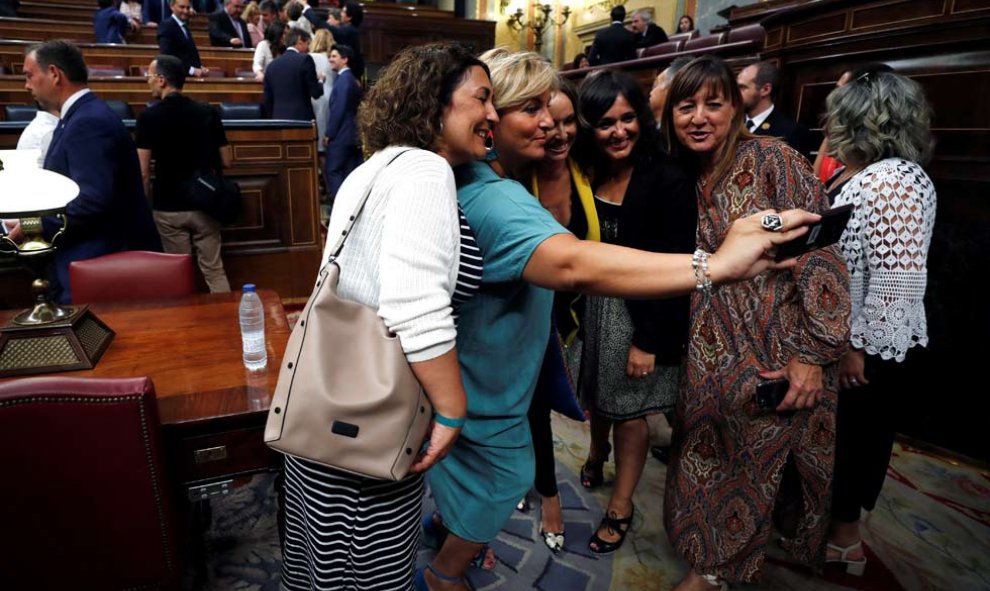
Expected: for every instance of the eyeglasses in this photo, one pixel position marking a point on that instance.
(865, 77)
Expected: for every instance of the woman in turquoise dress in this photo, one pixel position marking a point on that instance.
(503, 330)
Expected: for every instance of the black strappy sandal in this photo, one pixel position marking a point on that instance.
(593, 471)
(614, 525)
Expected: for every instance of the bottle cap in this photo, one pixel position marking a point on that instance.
(248, 288)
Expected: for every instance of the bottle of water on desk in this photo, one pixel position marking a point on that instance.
(252, 315)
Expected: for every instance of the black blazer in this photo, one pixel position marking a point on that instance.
(654, 36)
(222, 30)
(796, 135)
(290, 83)
(612, 44)
(660, 214)
(172, 41)
(346, 34)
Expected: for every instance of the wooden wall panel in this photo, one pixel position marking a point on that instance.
(896, 13)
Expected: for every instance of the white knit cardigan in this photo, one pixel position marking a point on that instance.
(403, 253)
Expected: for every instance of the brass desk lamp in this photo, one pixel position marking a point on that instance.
(46, 337)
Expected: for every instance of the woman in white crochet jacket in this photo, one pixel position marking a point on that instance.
(878, 124)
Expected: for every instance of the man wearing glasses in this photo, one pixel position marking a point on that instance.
(184, 138)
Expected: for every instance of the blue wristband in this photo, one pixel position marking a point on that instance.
(449, 422)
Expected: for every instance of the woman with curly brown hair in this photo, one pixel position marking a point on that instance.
(411, 256)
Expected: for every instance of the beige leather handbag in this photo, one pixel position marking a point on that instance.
(346, 396)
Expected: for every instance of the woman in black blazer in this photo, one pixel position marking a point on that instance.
(633, 348)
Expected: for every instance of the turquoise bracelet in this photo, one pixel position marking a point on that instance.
(449, 422)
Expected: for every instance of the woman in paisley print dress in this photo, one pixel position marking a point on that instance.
(729, 456)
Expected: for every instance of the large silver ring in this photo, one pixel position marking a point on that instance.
(772, 222)
(854, 381)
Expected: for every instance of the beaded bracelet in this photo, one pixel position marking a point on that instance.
(699, 264)
(449, 422)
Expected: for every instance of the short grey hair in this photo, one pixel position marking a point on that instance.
(518, 76)
(879, 115)
(644, 14)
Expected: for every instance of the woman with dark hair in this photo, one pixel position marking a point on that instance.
(272, 46)
(632, 353)
(412, 256)
(564, 191)
(729, 455)
(878, 125)
(503, 330)
(685, 24)
(580, 61)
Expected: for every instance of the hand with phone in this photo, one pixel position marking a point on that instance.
(805, 384)
(822, 233)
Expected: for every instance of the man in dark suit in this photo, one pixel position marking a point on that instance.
(91, 147)
(8, 7)
(343, 147)
(226, 27)
(290, 81)
(175, 38)
(647, 33)
(347, 33)
(614, 43)
(155, 11)
(758, 86)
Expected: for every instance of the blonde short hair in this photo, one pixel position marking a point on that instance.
(251, 12)
(322, 42)
(518, 76)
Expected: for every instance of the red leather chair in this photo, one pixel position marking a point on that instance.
(706, 42)
(132, 275)
(684, 37)
(85, 501)
(666, 48)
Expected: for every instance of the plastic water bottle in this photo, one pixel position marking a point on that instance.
(252, 315)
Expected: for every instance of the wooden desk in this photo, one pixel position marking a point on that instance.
(212, 409)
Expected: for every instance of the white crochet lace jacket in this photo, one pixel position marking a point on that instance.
(886, 249)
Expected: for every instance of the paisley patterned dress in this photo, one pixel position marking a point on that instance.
(728, 456)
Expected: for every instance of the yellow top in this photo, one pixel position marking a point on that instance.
(587, 199)
(585, 195)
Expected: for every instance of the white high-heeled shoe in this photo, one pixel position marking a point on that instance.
(855, 567)
(716, 582)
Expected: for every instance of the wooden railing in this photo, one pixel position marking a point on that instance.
(131, 58)
(134, 90)
(387, 28)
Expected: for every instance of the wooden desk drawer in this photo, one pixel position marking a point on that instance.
(225, 454)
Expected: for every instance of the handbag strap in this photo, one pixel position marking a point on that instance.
(357, 210)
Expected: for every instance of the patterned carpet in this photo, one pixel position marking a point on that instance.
(930, 531)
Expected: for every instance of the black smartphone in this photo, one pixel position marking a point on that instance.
(770, 393)
(826, 231)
